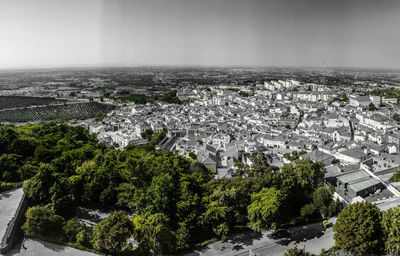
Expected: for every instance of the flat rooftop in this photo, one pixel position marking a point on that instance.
(353, 176)
(364, 184)
(9, 201)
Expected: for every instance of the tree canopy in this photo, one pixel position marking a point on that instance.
(170, 196)
(265, 208)
(295, 251)
(358, 229)
(391, 229)
(110, 234)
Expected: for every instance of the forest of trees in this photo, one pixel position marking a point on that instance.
(165, 201)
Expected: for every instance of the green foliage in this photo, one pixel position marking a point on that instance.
(192, 155)
(61, 200)
(26, 147)
(147, 134)
(391, 92)
(4, 186)
(37, 188)
(101, 117)
(335, 161)
(232, 89)
(41, 221)
(9, 165)
(154, 234)
(295, 251)
(302, 152)
(111, 234)
(243, 94)
(309, 211)
(323, 200)
(83, 240)
(358, 229)
(71, 229)
(396, 117)
(43, 154)
(264, 209)
(307, 175)
(173, 197)
(396, 176)
(159, 196)
(157, 137)
(391, 229)
(291, 157)
(226, 204)
(136, 98)
(371, 107)
(169, 97)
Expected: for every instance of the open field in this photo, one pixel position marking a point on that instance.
(7, 102)
(54, 112)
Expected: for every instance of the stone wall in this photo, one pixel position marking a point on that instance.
(13, 232)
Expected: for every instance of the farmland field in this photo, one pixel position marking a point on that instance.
(65, 111)
(24, 101)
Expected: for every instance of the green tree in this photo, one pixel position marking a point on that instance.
(215, 216)
(295, 251)
(396, 117)
(42, 154)
(371, 107)
(23, 146)
(37, 188)
(27, 171)
(323, 199)
(264, 209)
(154, 234)
(309, 211)
(111, 234)
(358, 229)
(9, 165)
(243, 94)
(83, 239)
(157, 138)
(391, 229)
(396, 176)
(62, 200)
(41, 221)
(192, 155)
(159, 196)
(71, 228)
(307, 174)
(147, 134)
(344, 97)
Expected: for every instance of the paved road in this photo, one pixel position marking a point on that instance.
(313, 237)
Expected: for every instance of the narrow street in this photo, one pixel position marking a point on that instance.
(312, 237)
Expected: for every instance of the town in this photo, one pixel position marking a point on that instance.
(225, 119)
(356, 137)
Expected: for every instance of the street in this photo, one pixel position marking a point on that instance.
(312, 237)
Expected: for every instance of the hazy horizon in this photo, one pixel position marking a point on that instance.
(355, 34)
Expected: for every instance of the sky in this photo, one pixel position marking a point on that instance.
(317, 33)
